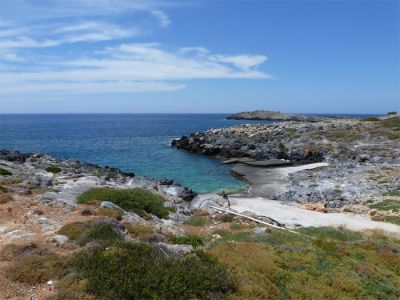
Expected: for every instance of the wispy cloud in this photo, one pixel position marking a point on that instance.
(162, 18)
(129, 67)
(41, 55)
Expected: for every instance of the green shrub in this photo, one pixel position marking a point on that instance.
(389, 219)
(140, 271)
(193, 240)
(53, 169)
(393, 123)
(84, 233)
(393, 193)
(3, 189)
(391, 113)
(138, 229)
(371, 119)
(226, 218)
(136, 200)
(109, 212)
(386, 205)
(5, 172)
(196, 221)
(37, 267)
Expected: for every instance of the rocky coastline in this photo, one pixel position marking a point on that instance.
(363, 157)
(275, 116)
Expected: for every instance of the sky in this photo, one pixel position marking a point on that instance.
(127, 56)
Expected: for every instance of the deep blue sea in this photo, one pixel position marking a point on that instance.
(137, 143)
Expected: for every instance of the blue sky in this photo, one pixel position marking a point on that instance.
(199, 56)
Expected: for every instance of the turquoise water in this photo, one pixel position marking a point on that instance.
(137, 143)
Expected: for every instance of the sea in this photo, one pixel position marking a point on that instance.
(138, 143)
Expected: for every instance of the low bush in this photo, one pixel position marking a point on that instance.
(391, 113)
(193, 240)
(3, 189)
(196, 221)
(136, 200)
(140, 271)
(393, 123)
(371, 119)
(226, 218)
(393, 193)
(84, 233)
(138, 229)
(53, 169)
(37, 267)
(327, 263)
(386, 205)
(110, 213)
(5, 172)
(389, 219)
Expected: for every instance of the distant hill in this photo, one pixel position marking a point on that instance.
(274, 116)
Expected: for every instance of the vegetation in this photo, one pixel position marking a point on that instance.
(386, 205)
(37, 267)
(5, 172)
(193, 240)
(389, 219)
(391, 113)
(393, 193)
(196, 221)
(140, 271)
(110, 213)
(393, 123)
(371, 119)
(138, 229)
(136, 200)
(345, 136)
(53, 169)
(324, 263)
(84, 233)
(3, 189)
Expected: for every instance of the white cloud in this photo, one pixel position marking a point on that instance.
(162, 18)
(131, 68)
(241, 61)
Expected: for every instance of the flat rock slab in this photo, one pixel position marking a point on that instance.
(268, 163)
(269, 182)
(294, 215)
(238, 160)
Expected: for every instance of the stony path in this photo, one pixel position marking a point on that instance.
(293, 215)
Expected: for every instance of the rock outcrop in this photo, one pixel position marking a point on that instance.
(274, 116)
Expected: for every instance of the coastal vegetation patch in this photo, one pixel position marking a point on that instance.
(389, 219)
(321, 263)
(196, 221)
(193, 240)
(53, 169)
(140, 271)
(3, 189)
(37, 266)
(4, 172)
(386, 205)
(137, 200)
(83, 233)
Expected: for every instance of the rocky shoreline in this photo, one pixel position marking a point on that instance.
(363, 157)
(275, 116)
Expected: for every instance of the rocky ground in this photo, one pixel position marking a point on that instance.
(43, 230)
(363, 157)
